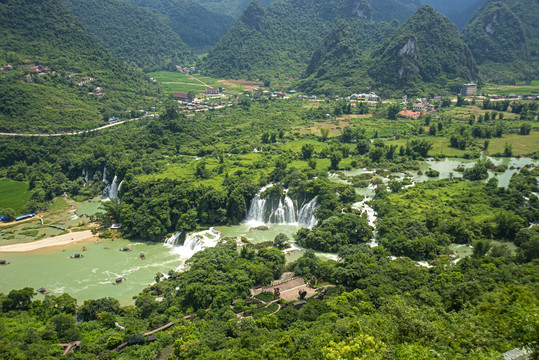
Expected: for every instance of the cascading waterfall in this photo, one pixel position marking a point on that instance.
(306, 214)
(105, 175)
(113, 192)
(371, 217)
(173, 240)
(193, 243)
(264, 211)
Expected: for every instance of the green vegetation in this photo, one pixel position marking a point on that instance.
(14, 195)
(426, 51)
(279, 41)
(133, 34)
(172, 82)
(497, 36)
(48, 35)
(199, 27)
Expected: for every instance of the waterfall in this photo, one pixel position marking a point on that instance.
(173, 240)
(306, 214)
(193, 243)
(113, 192)
(371, 217)
(120, 186)
(280, 211)
(105, 175)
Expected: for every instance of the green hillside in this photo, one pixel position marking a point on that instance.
(336, 64)
(198, 27)
(502, 35)
(46, 34)
(133, 34)
(426, 49)
(280, 40)
(232, 8)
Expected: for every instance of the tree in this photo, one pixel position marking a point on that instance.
(91, 308)
(392, 111)
(335, 157)
(8, 214)
(307, 151)
(18, 299)
(508, 150)
(281, 241)
(525, 129)
(64, 325)
(360, 347)
(324, 132)
(481, 248)
(363, 146)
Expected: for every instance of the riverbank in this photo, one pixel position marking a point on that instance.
(60, 240)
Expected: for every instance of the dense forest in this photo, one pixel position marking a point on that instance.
(47, 35)
(279, 41)
(199, 27)
(132, 34)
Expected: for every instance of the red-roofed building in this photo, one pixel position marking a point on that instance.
(181, 96)
(8, 67)
(212, 91)
(410, 114)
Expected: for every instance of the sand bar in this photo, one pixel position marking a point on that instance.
(52, 241)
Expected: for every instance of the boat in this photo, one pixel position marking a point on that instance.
(5, 262)
(125, 249)
(118, 280)
(142, 256)
(76, 256)
(42, 290)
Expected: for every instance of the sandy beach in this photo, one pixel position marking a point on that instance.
(49, 242)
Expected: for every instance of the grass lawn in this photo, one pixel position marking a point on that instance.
(14, 194)
(178, 82)
(182, 83)
(522, 144)
(513, 89)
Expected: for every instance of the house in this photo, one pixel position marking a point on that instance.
(8, 67)
(410, 114)
(437, 98)
(365, 97)
(468, 89)
(424, 106)
(181, 97)
(212, 91)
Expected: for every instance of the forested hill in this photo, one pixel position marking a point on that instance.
(336, 65)
(503, 37)
(232, 8)
(133, 34)
(426, 49)
(45, 34)
(280, 40)
(198, 27)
